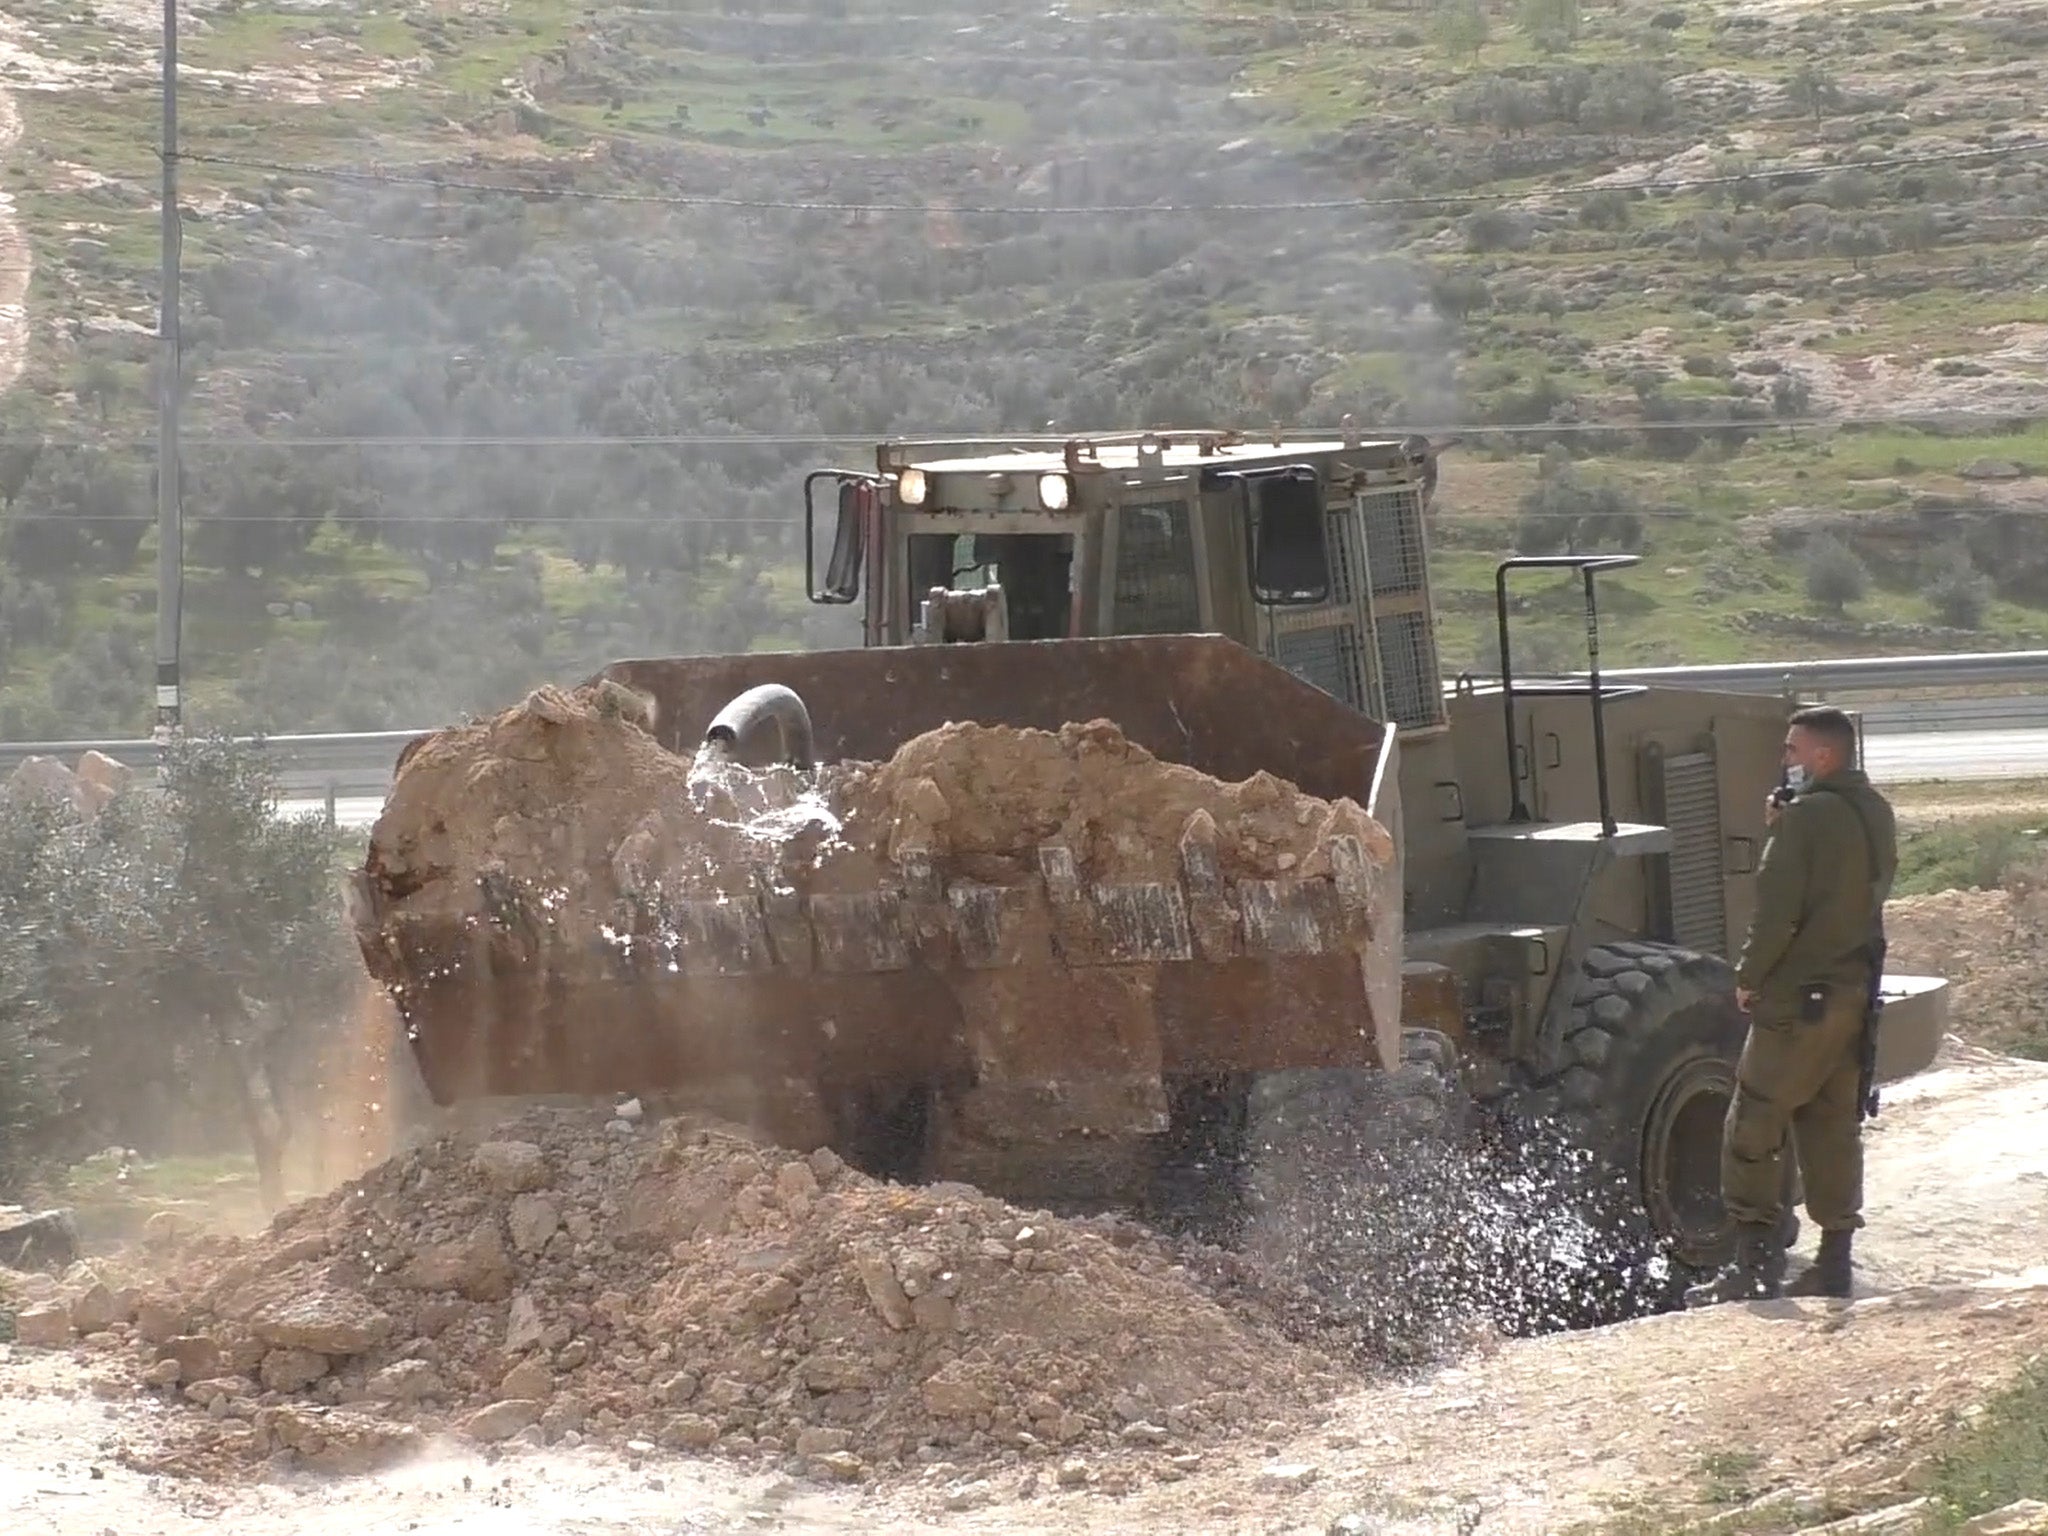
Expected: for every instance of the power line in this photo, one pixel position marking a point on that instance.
(571, 520)
(786, 439)
(1059, 210)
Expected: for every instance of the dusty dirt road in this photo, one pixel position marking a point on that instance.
(1529, 1436)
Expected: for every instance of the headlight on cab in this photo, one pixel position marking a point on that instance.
(1054, 492)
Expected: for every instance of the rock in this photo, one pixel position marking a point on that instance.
(327, 1322)
(43, 779)
(477, 1265)
(1905, 1519)
(533, 1220)
(46, 1241)
(1288, 1476)
(820, 1441)
(165, 1229)
(405, 1381)
(511, 1167)
(1990, 469)
(93, 1311)
(692, 1431)
(1073, 1473)
(1142, 1433)
(831, 1370)
(949, 1392)
(630, 1111)
(968, 1495)
(2029, 1517)
(528, 1380)
(197, 1356)
(796, 1186)
(219, 1388)
(677, 1389)
(503, 1420)
(43, 1327)
(292, 1370)
(844, 1465)
(523, 1326)
(878, 1278)
(1353, 1524)
(334, 1440)
(101, 778)
(157, 1322)
(165, 1373)
(825, 1164)
(771, 1298)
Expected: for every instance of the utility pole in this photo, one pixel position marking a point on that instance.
(170, 524)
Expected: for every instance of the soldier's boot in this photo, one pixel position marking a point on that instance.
(1757, 1273)
(1832, 1272)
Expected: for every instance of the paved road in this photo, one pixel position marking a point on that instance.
(1902, 757)
(1906, 757)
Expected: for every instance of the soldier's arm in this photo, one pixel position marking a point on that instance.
(1780, 897)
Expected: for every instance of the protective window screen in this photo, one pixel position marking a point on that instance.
(1156, 591)
(1408, 670)
(1393, 540)
(1326, 656)
(1343, 559)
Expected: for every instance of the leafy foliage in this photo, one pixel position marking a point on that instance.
(1565, 511)
(160, 957)
(1835, 574)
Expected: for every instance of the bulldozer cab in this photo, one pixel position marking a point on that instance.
(1309, 552)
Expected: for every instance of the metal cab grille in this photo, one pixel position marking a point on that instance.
(1157, 591)
(1692, 810)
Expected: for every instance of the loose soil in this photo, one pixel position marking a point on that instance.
(578, 1277)
(1992, 945)
(723, 1253)
(570, 794)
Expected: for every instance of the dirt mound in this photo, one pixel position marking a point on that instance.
(987, 797)
(570, 792)
(1993, 946)
(690, 1287)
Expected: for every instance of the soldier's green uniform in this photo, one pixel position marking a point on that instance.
(1814, 920)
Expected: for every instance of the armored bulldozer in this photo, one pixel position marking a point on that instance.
(1562, 864)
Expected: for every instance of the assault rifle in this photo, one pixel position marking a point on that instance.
(1866, 1045)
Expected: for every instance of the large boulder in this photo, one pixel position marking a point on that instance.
(44, 1240)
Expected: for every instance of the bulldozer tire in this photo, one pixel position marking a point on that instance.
(1339, 1173)
(1646, 1072)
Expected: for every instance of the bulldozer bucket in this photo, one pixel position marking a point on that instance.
(1048, 1007)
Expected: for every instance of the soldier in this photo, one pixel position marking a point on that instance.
(1804, 979)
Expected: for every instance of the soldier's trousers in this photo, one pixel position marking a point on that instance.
(1797, 1083)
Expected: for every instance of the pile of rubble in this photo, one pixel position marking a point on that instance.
(1992, 945)
(682, 1285)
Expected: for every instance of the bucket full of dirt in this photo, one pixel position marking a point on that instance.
(1010, 933)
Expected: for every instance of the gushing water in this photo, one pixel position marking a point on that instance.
(1413, 1244)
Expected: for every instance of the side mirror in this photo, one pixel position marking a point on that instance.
(1290, 540)
(849, 539)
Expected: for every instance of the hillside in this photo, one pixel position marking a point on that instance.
(743, 223)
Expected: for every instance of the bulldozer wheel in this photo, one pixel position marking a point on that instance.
(1647, 1071)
